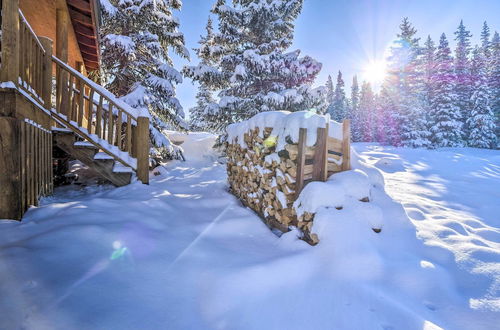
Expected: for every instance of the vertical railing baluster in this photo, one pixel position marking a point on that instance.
(90, 110)
(81, 98)
(110, 122)
(118, 138)
(129, 134)
(98, 119)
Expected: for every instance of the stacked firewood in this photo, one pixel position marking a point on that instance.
(265, 180)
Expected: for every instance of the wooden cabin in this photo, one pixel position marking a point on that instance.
(48, 47)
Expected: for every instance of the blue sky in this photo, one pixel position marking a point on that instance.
(346, 35)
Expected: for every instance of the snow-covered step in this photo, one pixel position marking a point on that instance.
(84, 144)
(102, 155)
(120, 168)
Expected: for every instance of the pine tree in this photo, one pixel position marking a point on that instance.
(463, 81)
(338, 107)
(485, 41)
(330, 91)
(494, 81)
(205, 116)
(366, 112)
(379, 119)
(446, 125)
(481, 120)
(429, 63)
(388, 127)
(202, 115)
(353, 114)
(136, 37)
(250, 67)
(403, 85)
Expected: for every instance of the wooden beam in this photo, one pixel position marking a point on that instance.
(80, 4)
(88, 49)
(89, 57)
(10, 41)
(90, 42)
(90, 65)
(84, 30)
(81, 18)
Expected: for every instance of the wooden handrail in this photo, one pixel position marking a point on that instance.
(107, 95)
(97, 115)
(31, 60)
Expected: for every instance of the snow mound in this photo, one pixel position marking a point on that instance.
(349, 196)
(196, 146)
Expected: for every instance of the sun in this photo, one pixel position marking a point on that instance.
(374, 72)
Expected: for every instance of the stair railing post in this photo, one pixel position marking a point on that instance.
(142, 147)
(10, 41)
(47, 72)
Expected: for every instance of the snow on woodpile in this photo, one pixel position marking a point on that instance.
(273, 155)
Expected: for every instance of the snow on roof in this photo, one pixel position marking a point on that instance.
(285, 124)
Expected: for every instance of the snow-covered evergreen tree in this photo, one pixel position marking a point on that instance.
(485, 41)
(205, 116)
(201, 115)
(403, 85)
(353, 112)
(136, 38)
(481, 121)
(429, 63)
(250, 67)
(494, 81)
(338, 107)
(463, 81)
(446, 126)
(366, 112)
(330, 91)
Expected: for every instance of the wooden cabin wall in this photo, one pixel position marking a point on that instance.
(41, 15)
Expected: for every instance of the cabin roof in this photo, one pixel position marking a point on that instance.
(84, 16)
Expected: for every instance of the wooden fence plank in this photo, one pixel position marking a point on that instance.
(320, 155)
(346, 145)
(301, 158)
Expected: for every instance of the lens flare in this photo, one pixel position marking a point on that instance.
(374, 72)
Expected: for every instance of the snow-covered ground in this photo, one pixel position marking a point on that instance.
(182, 253)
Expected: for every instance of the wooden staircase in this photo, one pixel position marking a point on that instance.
(98, 129)
(102, 163)
(93, 125)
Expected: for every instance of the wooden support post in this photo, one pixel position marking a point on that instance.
(10, 169)
(346, 145)
(62, 22)
(301, 160)
(320, 169)
(47, 73)
(142, 145)
(10, 41)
